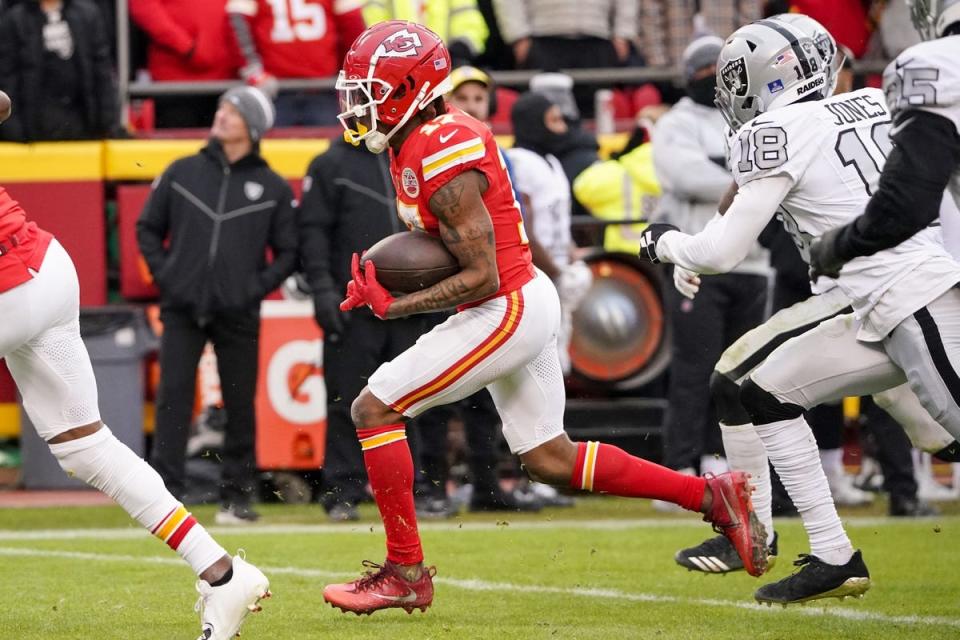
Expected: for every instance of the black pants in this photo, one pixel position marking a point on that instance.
(727, 306)
(235, 337)
(888, 442)
(482, 423)
(365, 343)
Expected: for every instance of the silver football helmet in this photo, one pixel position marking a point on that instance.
(932, 17)
(766, 65)
(831, 56)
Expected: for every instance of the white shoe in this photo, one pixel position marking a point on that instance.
(844, 493)
(236, 515)
(929, 489)
(870, 477)
(222, 609)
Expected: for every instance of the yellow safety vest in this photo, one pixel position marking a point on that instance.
(622, 189)
(450, 19)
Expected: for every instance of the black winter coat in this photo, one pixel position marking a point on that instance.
(21, 68)
(220, 219)
(348, 204)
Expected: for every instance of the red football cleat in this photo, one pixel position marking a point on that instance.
(382, 588)
(732, 516)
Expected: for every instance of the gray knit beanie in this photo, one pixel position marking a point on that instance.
(702, 52)
(255, 108)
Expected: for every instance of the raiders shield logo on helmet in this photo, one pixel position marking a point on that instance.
(734, 76)
(253, 190)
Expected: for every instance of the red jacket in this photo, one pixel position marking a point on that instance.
(188, 39)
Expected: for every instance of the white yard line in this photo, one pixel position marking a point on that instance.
(133, 532)
(858, 614)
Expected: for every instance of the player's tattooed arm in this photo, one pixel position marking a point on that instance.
(467, 231)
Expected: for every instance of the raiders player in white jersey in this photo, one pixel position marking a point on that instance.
(923, 93)
(815, 162)
(743, 447)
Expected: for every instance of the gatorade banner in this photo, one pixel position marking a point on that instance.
(291, 400)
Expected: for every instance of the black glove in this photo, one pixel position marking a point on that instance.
(326, 310)
(824, 260)
(649, 238)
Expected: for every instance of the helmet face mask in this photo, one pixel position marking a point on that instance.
(766, 65)
(393, 70)
(931, 18)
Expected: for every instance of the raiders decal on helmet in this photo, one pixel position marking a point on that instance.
(734, 76)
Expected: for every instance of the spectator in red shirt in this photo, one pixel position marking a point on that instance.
(848, 21)
(295, 39)
(186, 43)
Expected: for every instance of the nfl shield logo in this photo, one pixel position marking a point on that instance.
(411, 186)
(253, 190)
(734, 76)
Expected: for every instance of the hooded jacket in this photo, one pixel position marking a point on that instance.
(576, 149)
(22, 68)
(220, 219)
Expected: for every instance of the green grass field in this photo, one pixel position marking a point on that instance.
(601, 570)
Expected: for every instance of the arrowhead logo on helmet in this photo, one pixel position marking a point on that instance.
(402, 44)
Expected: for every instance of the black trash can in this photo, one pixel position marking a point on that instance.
(117, 339)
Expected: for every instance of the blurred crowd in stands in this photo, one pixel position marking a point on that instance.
(59, 57)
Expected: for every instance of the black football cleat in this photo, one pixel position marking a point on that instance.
(815, 580)
(717, 555)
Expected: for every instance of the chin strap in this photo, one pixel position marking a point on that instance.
(377, 141)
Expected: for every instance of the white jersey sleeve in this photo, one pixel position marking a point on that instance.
(926, 76)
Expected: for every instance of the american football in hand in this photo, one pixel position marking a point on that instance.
(5, 106)
(410, 261)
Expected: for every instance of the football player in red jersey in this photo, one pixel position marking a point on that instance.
(294, 39)
(40, 340)
(451, 182)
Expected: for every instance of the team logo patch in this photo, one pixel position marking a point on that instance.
(253, 190)
(401, 44)
(775, 86)
(734, 76)
(411, 186)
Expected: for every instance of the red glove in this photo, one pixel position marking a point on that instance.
(364, 289)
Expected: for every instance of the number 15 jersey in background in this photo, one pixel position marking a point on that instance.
(833, 151)
(299, 38)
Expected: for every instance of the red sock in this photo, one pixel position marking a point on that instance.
(390, 470)
(603, 468)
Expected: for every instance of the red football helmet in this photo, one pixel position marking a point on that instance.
(393, 70)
